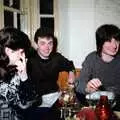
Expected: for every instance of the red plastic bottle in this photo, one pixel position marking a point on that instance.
(102, 110)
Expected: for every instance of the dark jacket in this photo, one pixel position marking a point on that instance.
(44, 73)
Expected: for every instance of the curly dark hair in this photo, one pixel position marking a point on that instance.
(13, 39)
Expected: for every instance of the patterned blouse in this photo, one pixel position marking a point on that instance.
(9, 97)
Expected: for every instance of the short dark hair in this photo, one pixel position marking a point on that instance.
(105, 33)
(43, 32)
(46, 33)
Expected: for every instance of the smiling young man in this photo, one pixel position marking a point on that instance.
(16, 91)
(46, 65)
(102, 67)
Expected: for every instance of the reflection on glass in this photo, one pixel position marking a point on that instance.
(8, 19)
(16, 4)
(46, 6)
(12, 3)
(18, 21)
(68, 104)
(47, 22)
(6, 2)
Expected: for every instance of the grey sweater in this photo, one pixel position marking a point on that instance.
(95, 67)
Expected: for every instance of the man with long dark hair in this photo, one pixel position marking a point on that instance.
(102, 67)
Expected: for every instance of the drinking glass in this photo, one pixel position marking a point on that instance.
(114, 90)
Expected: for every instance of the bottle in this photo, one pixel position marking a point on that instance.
(102, 110)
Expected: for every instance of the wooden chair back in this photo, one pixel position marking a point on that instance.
(63, 78)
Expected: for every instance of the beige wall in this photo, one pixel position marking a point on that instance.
(78, 20)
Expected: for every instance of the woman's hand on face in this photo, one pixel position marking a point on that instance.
(21, 66)
(93, 85)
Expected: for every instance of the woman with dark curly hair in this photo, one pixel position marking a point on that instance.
(15, 87)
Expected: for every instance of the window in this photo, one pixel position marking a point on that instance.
(47, 22)
(46, 7)
(16, 13)
(46, 13)
(12, 13)
(28, 15)
(12, 3)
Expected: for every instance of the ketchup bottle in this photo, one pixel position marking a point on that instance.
(102, 110)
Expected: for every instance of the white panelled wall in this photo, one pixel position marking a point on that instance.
(78, 20)
(75, 23)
